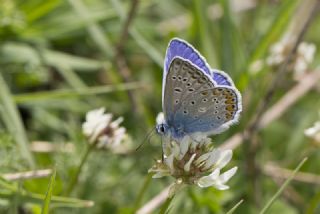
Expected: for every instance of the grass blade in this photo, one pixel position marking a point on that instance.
(41, 10)
(152, 52)
(13, 122)
(46, 204)
(13, 52)
(96, 33)
(202, 26)
(56, 201)
(276, 29)
(235, 207)
(72, 93)
(8, 190)
(284, 185)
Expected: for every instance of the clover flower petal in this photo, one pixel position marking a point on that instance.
(103, 132)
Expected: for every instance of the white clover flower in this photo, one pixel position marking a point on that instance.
(194, 161)
(102, 131)
(280, 50)
(314, 132)
(302, 59)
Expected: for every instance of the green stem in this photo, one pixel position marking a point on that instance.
(284, 185)
(142, 191)
(75, 177)
(165, 206)
(235, 207)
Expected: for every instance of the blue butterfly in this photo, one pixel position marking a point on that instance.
(195, 98)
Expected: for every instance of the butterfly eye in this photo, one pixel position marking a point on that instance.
(162, 129)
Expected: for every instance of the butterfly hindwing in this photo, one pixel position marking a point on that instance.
(221, 78)
(212, 110)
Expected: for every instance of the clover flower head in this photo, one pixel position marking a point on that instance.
(280, 50)
(304, 57)
(194, 161)
(102, 131)
(314, 132)
(301, 60)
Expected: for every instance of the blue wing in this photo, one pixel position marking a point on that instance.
(221, 78)
(181, 48)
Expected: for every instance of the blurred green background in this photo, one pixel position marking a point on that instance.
(60, 59)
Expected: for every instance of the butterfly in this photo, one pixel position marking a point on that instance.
(195, 98)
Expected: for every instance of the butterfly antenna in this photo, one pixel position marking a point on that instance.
(146, 138)
(162, 153)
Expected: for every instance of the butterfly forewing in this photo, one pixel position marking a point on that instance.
(182, 80)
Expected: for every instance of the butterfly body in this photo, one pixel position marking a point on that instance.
(196, 99)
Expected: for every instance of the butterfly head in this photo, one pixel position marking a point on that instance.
(162, 129)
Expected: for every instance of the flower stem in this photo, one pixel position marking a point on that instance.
(75, 177)
(142, 191)
(166, 205)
